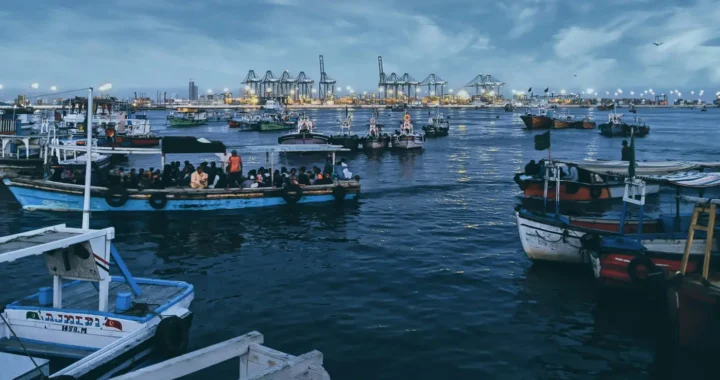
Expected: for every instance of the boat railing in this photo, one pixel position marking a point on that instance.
(255, 362)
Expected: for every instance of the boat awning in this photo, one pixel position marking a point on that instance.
(37, 242)
(643, 168)
(298, 148)
(687, 179)
(185, 144)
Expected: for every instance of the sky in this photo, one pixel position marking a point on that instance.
(149, 45)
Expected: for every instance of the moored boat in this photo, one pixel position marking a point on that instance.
(375, 139)
(509, 107)
(187, 117)
(273, 122)
(346, 139)
(586, 123)
(542, 119)
(406, 138)
(616, 127)
(564, 122)
(437, 125)
(704, 108)
(305, 133)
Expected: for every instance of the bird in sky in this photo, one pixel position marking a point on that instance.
(657, 43)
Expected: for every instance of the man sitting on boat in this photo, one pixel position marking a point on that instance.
(199, 179)
(626, 151)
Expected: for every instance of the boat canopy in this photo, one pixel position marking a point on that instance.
(280, 148)
(187, 144)
(643, 168)
(687, 179)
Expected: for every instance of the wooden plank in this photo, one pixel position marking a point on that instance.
(689, 242)
(196, 360)
(708, 242)
(293, 368)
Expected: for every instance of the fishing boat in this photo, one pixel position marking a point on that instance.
(542, 119)
(406, 138)
(437, 125)
(375, 139)
(187, 117)
(128, 133)
(509, 107)
(605, 107)
(616, 127)
(400, 107)
(703, 109)
(27, 117)
(21, 155)
(86, 308)
(632, 109)
(273, 122)
(564, 121)
(585, 123)
(346, 139)
(305, 133)
(57, 196)
(246, 122)
(272, 105)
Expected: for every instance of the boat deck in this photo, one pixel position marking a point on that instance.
(83, 296)
(45, 237)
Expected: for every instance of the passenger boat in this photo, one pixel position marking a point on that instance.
(375, 139)
(437, 125)
(74, 318)
(129, 133)
(586, 123)
(27, 117)
(564, 122)
(188, 117)
(542, 119)
(615, 127)
(273, 122)
(272, 105)
(305, 133)
(406, 138)
(55, 196)
(346, 139)
(289, 118)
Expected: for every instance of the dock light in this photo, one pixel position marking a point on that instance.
(619, 91)
(632, 92)
(451, 90)
(348, 88)
(380, 89)
(692, 92)
(292, 92)
(314, 90)
(209, 91)
(247, 88)
(616, 94)
(432, 93)
(34, 86)
(339, 89)
(491, 93)
(596, 94)
(589, 91)
(607, 92)
(562, 92)
(53, 88)
(513, 91)
(1, 87)
(226, 89)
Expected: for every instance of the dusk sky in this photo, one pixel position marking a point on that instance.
(148, 45)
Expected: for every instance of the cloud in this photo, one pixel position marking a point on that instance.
(483, 43)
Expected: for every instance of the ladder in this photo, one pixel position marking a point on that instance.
(700, 208)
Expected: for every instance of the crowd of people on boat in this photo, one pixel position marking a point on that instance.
(210, 175)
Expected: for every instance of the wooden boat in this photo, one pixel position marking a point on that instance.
(187, 117)
(375, 139)
(246, 122)
(437, 125)
(616, 127)
(564, 122)
(406, 138)
(346, 139)
(130, 133)
(305, 133)
(55, 196)
(72, 319)
(541, 120)
(21, 155)
(273, 122)
(585, 123)
(509, 107)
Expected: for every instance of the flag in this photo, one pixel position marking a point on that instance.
(530, 89)
(32, 315)
(631, 166)
(547, 89)
(113, 323)
(542, 141)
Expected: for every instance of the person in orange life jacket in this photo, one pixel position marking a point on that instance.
(235, 170)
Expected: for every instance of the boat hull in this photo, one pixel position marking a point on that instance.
(536, 122)
(127, 142)
(303, 138)
(623, 130)
(694, 314)
(46, 195)
(351, 142)
(433, 131)
(587, 125)
(20, 167)
(275, 126)
(613, 269)
(407, 142)
(562, 124)
(376, 142)
(177, 122)
(577, 191)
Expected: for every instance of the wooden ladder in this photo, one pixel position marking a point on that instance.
(700, 208)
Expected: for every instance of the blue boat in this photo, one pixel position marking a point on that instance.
(44, 194)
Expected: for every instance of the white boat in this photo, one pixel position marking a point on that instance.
(272, 105)
(375, 139)
(86, 308)
(305, 133)
(406, 138)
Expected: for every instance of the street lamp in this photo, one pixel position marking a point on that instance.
(53, 88)
(34, 86)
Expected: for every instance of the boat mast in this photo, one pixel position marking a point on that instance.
(88, 163)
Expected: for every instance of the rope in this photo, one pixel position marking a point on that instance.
(23, 346)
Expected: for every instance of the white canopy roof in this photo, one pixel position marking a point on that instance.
(644, 168)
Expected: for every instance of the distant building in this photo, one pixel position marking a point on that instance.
(192, 91)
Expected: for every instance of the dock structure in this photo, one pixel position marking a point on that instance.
(304, 86)
(269, 85)
(434, 83)
(485, 84)
(252, 82)
(327, 83)
(394, 86)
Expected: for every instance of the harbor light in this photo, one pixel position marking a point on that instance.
(632, 92)
(1, 87)
(451, 90)
(616, 94)
(596, 94)
(619, 91)
(34, 86)
(589, 91)
(226, 89)
(562, 92)
(432, 93)
(482, 91)
(292, 92)
(491, 93)
(339, 89)
(247, 88)
(314, 90)
(105, 87)
(53, 88)
(209, 91)
(380, 89)
(607, 92)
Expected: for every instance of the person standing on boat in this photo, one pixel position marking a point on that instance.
(199, 179)
(626, 152)
(235, 171)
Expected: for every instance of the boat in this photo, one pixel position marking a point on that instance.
(375, 139)
(346, 139)
(586, 123)
(135, 132)
(703, 109)
(437, 125)
(616, 127)
(272, 106)
(305, 133)
(247, 122)
(27, 117)
(400, 107)
(45, 194)
(273, 122)
(406, 138)
(564, 122)
(22, 155)
(540, 120)
(187, 117)
(509, 107)
(605, 107)
(632, 109)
